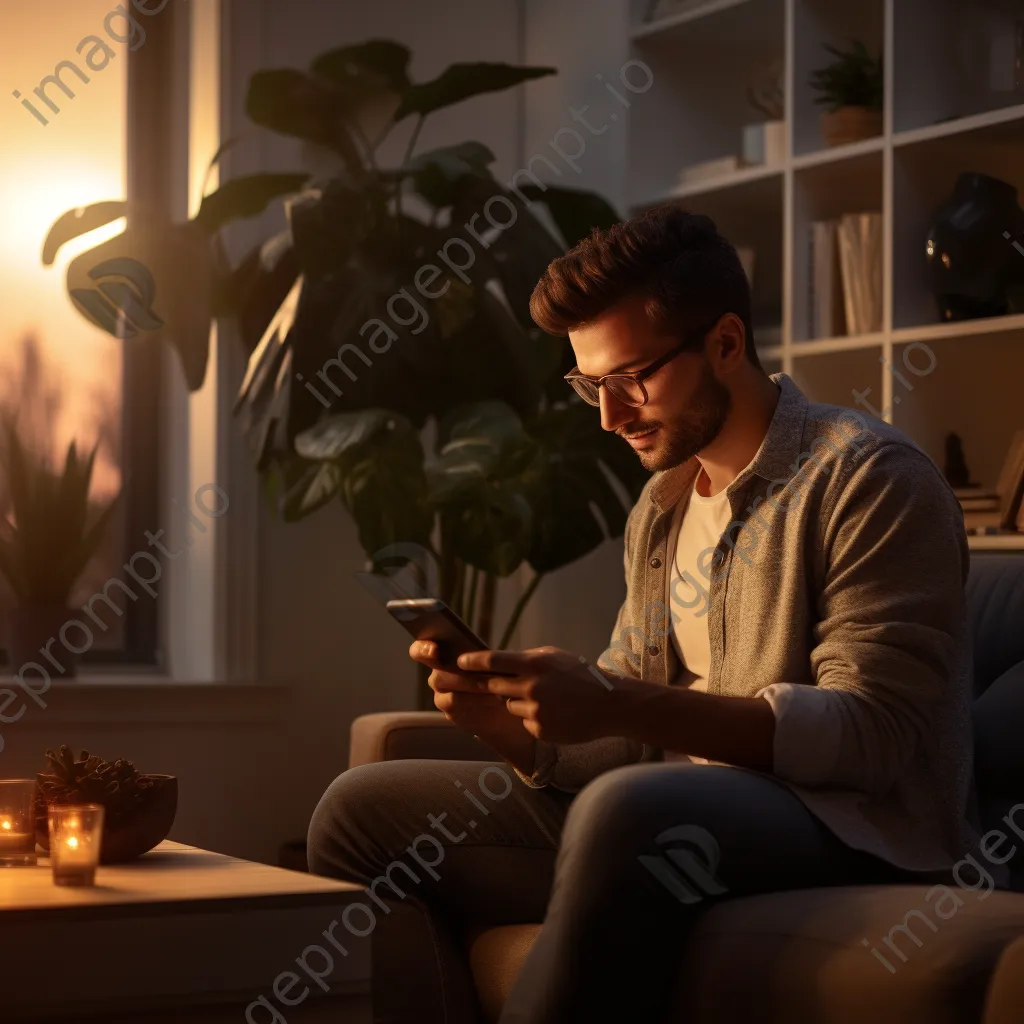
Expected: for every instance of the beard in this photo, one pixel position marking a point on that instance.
(692, 431)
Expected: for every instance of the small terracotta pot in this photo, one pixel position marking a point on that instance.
(129, 839)
(29, 628)
(850, 124)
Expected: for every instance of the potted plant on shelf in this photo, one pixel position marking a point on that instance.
(352, 357)
(851, 88)
(46, 542)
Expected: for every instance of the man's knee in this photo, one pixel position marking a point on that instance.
(615, 805)
(348, 803)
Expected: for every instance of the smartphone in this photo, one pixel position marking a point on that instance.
(427, 618)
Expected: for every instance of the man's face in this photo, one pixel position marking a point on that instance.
(687, 405)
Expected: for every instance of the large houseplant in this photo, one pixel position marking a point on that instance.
(47, 540)
(351, 360)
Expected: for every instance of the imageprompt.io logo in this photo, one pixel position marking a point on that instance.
(122, 303)
(687, 870)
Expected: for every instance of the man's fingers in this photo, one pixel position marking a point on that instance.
(442, 681)
(514, 663)
(507, 687)
(519, 708)
(425, 652)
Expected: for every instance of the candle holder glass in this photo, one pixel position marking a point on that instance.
(17, 822)
(76, 832)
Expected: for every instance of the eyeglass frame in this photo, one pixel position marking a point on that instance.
(639, 376)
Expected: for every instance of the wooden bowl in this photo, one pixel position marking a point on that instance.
(130, 839)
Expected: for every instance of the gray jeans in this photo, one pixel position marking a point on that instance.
(449, 845)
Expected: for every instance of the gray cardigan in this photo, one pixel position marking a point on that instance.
(836, 593)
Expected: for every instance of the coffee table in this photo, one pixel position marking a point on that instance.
(182, 934)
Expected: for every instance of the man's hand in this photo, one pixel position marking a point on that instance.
(558, 695)
(465, 701)
(462, 699)
(563, 699)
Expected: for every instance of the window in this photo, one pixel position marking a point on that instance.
(86, 119)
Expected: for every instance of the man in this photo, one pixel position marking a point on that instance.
(787, 684)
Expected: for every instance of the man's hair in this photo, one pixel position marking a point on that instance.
(687, 273)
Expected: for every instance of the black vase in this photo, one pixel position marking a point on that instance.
(974, 270)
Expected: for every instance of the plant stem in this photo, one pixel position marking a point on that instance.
(408, 153)
(457, 596)
(413, 139)
(486, 624)
(513, 619)
(474, 576)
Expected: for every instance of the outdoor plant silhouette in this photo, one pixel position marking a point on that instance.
(517, 468)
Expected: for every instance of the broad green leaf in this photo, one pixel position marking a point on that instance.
(293, 103)
(576, 212)
(461, 82)
(435, 172)
(243, 197)
(319, 484)
(385, 492)
(334, 436)
(78, 222)
(366, 68)
(492, 529)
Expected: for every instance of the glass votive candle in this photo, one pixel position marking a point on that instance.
(17, 822)
(76, 832)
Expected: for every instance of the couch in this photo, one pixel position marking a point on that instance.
(799, 956)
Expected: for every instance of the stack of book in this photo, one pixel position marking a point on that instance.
(1000, 510)
(982, 508)
(844, 288)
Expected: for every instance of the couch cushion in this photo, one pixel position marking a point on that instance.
(394, 735)
(1006, 992)
(995, 603)
(495, 956)
(998, 727)
(799, 956)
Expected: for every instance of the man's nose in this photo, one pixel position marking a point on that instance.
(614, 413)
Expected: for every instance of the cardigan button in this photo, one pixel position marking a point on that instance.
(655, 562)
(652, 650)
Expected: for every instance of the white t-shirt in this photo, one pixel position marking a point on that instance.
(692, 543)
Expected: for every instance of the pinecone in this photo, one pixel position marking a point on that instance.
(116, 785)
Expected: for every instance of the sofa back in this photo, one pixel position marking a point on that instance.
(995, 601)
(995, 597)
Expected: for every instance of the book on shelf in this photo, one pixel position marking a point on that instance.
(980, 504)
(860, 258)
(658, 10)
(825, 287)
(991, 519)
(709, 170)
(976, 492)
(1010, 484)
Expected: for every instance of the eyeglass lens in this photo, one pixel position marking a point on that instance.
(622, 389)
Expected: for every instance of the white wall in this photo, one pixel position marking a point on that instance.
(252, 762)
(576, 607)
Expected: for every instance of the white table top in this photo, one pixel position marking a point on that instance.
(170, 873)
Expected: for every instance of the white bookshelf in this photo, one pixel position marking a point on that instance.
(940, 119)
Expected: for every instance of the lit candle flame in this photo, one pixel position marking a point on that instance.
(5, 824)
(72, 841)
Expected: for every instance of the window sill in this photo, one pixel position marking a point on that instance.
(139, 698)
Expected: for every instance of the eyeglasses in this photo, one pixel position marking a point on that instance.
(628, 388)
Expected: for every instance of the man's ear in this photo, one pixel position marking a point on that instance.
(726, 344)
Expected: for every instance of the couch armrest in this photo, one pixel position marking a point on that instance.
(394, 735)
(1006, 986)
